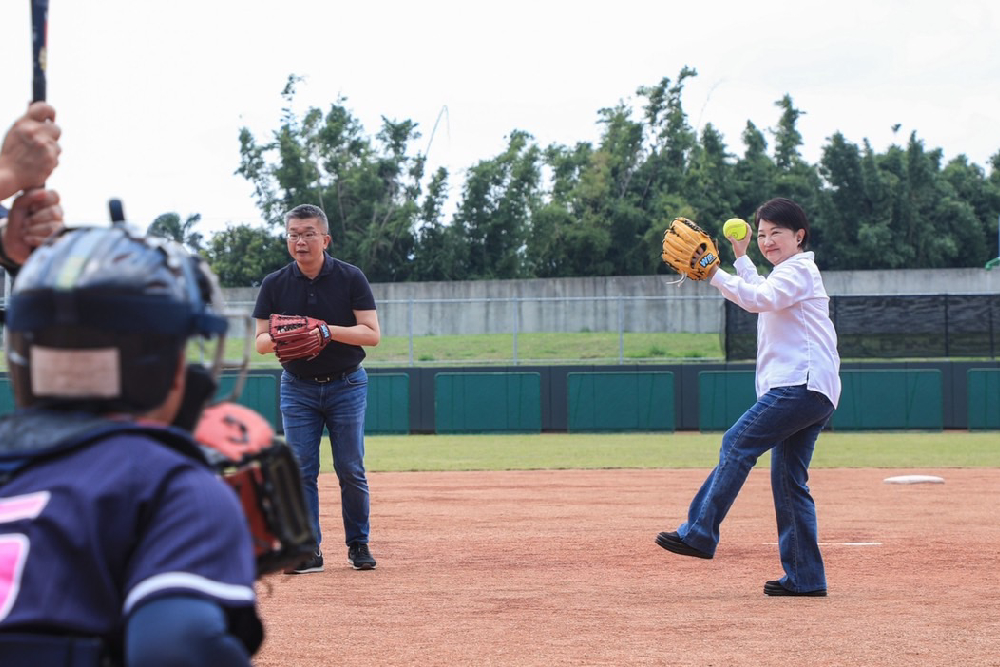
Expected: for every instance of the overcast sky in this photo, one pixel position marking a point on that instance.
(151, 95)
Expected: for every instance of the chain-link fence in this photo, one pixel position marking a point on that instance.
(914, 326)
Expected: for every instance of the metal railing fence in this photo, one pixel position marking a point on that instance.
(517, 316)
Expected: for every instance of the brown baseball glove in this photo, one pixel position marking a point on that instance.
(261, 468)
(297, 336)
(689, 250)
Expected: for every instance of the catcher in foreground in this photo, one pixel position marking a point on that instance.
(119, 544)
(689, 250)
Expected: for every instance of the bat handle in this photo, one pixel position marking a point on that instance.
(38, 88)
(39, 51)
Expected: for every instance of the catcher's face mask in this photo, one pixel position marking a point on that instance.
(207, 355)
(98, 319)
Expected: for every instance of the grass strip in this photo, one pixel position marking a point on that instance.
(664, 450)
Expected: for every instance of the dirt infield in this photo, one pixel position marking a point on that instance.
(560, 568)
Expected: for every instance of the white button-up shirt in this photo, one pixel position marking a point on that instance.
(796, 341)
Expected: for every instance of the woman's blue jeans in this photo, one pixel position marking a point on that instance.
(339, 406)
(787, 420)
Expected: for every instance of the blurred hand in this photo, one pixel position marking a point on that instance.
(30, 150)
(34, 217)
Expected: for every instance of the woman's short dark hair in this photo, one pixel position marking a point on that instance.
(784, 213)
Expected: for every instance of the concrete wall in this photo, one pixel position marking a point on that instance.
(913, 281)
(631, 304)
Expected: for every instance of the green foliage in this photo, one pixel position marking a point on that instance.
(369, 188)
(169, 226)
(567, 236)
(499, 198)
(440, 252)
(754, 174)
(242, 255)
(600, 209)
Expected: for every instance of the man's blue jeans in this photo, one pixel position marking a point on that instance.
(339, 406)
(787, 420)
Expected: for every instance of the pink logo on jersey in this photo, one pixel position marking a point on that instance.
(27, 506)
(14, 547)
(13, 553)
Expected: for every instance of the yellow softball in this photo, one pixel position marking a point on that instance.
(735, 228)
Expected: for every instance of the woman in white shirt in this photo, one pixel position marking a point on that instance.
(798, 386)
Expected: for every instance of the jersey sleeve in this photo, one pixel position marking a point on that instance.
(193, 540)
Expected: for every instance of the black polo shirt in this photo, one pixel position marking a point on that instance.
(332, 296)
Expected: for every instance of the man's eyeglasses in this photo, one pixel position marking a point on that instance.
(308, 236)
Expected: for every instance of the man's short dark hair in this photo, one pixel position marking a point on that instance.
(308, 212)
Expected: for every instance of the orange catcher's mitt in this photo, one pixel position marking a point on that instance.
(263, 471)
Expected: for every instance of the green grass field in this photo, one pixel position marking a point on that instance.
(664, 450)
(547, 348)
(537, 348)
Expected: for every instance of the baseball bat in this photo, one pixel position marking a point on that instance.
(39, 47)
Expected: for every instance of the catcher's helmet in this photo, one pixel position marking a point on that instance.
(97, 320)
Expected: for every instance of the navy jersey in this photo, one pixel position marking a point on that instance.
(332, 296)
(89, 535)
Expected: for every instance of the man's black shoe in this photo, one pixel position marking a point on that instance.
(314, 564)
(672, 542)
(775, 588)
(360, 557)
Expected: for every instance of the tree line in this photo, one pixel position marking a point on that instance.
(593, 209)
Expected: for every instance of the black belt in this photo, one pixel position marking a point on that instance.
(330, 377)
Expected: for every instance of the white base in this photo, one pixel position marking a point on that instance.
(914, 479)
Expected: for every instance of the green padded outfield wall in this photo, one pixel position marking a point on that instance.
(890, 399)
(723, 397)
(870, 400)
(984, 398)
(620, 402)
(6, 396)
(488, 402)
(388, 403)
(260, 393)
(388, 399)
(874, 398)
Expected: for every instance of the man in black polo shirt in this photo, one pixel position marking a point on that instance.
(330, 390)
